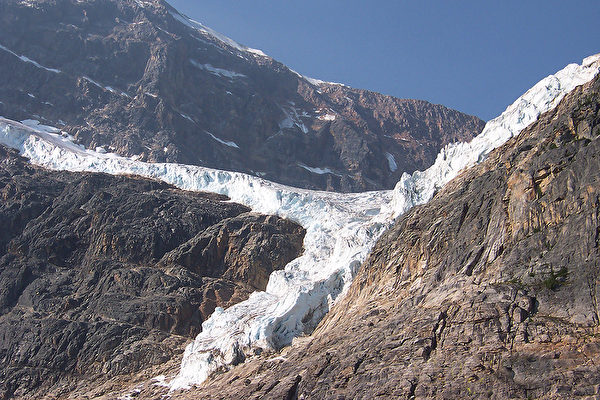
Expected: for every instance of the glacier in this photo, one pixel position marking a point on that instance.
(340, 228)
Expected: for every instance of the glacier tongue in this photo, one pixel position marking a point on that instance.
(341, 228)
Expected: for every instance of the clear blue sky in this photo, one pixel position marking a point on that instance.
(476, 56)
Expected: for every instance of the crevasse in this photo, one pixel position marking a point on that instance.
(341, 228)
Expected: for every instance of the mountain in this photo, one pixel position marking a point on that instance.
(340, 231)
(475, 277)
(142, 80)
(488, 291)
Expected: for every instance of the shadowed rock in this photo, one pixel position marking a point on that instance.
(103, 275)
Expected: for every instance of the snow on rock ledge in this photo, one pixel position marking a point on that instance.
(341, 228)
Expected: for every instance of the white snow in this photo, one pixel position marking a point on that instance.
(317, 170)
(313, 81)
(187, 117)
(391, 162)
(340, 228)
(287, 122)
(293, 118)
(226, 143)
(35, 124)
(160, 380)
(131, 395)
(109, 88)
(143, 4)
(217, 71)
(29, 3)
(327, 117)
(197, 26)
(29, 60)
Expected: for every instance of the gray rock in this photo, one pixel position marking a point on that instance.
(94, 282)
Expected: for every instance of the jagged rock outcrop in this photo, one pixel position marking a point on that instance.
(139, 79)
(488, 291)
(102, 276)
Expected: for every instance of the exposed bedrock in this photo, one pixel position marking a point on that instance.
(103, 275)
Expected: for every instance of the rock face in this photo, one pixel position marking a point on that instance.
(139, 79)
(488, 291)
(102, 276)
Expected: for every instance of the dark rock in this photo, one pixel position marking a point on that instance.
(95, 281)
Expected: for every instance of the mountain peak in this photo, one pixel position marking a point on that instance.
(140, 79)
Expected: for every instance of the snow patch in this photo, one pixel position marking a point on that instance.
(317, 170)
(197, 26)
(35, 124)
(313, 81)
(108, 88)
(187, 117)
(230, 144)
(293, 118)
(30, 61)
(391, 162)
(327, 117)
(143, 4)
(217, 71)
(160, 380)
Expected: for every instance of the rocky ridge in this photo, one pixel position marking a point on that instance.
(103, 276)
(487, 291)
(139, 79)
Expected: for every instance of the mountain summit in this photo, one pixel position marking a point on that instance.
(140, 79)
